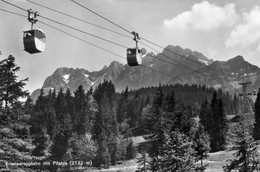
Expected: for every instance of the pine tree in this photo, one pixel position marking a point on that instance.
(103, 157)
(10, 89)
(219, 127)
(256, 132)
(247, 157)
(122, 106)
(157, 130)
(81, 148)
(62, 130)
(178, 154)
(235, 104)
(80, 111)
(105, 125)
(15, 146)
(42, 143)
(201, 146)
(205, 115)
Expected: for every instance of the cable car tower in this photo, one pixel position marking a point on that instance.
(244, 88)
(245, 102)
(34, 39)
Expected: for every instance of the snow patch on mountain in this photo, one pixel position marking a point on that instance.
(204, 61)
(66, 78)
(86, 75)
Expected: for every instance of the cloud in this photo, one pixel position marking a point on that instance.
(247, 33)
(203, 16)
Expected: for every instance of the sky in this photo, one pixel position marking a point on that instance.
(220, 29)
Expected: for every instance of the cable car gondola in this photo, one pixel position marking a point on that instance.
(34, 40)
(134, 57)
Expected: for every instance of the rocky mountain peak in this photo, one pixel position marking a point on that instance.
(237, 60)
(158, 69)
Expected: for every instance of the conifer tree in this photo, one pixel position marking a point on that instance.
(10, 89)
(62, 130)
(103, 157)
(42, 143)
(219, 127)
(201, 146)
(256, 132)
(235, 104)
(105, 124)
(15, 146)
(80, 111)
(81, 148)
(122, 106)
(205, 115)
(157, 130)
(178, 154)
(247, 157)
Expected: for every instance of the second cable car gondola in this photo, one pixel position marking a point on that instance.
(34, 40)
(133, 55)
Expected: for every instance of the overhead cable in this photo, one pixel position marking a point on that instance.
(79, 19)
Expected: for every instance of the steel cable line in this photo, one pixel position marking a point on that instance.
(112, 41)
(60, 23)
(86, 41)
(79, 19)
(140, 37)
(102, 16)
(14, 5)
(179, 64)
(90, 33)
(21, 15)
(180, 55)
(103, 48)
(94, 45)
(90, 23)
(171, 51)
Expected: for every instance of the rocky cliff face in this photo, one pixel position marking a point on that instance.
(167, 67)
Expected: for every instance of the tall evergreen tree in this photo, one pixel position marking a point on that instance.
(178, 154)
(122, 106)
(256, 132)
(80, 111)
(201, 146)
(205, 115)
(15, 146)
(247, 157)
(235, 104)
(219, 127)
(62, 130)
(157, 130)
(42, 143)
(105, 124)
(10, 89)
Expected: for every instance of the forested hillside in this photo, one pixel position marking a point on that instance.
(64, 129)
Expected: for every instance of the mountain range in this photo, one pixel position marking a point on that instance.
(173, 65)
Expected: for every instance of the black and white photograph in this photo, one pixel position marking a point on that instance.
(130, 86)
